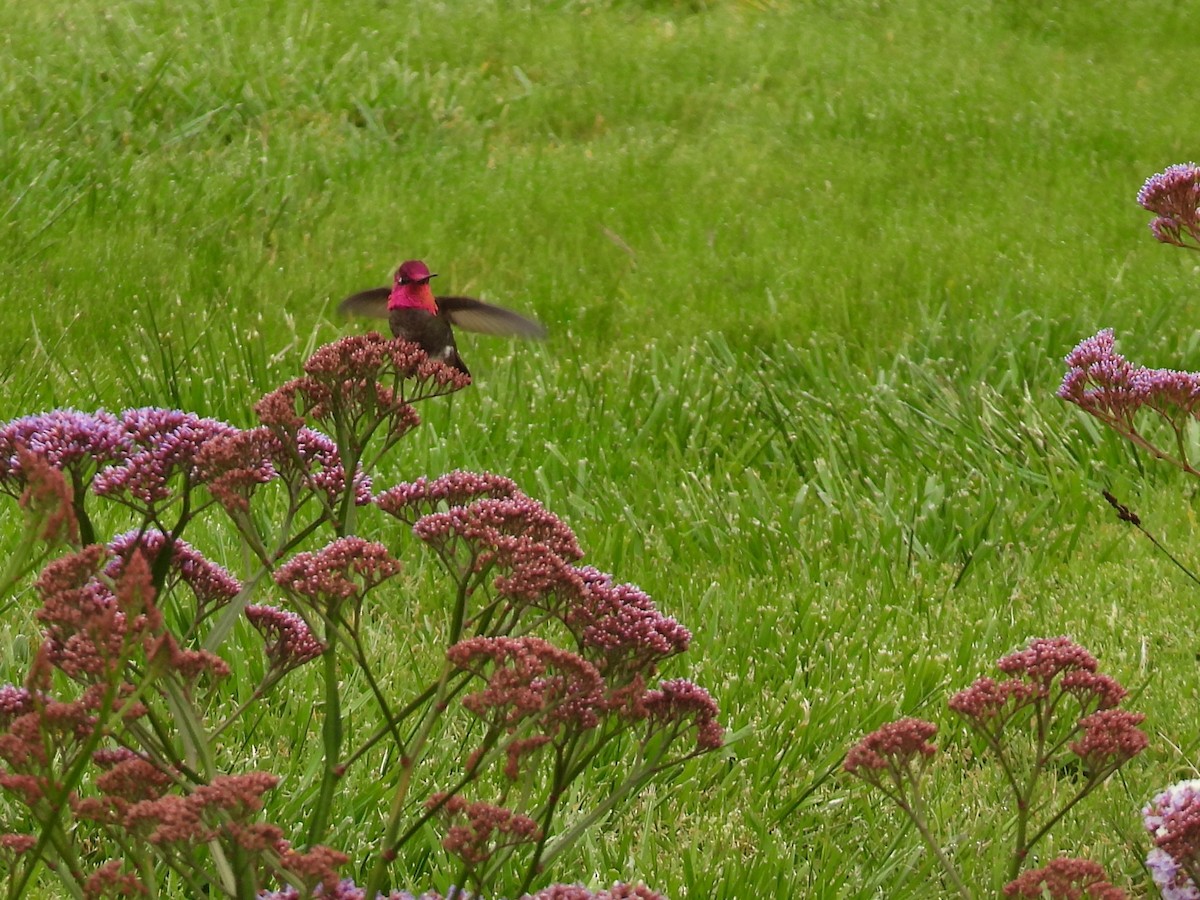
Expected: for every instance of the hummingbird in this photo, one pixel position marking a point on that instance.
(416, 315)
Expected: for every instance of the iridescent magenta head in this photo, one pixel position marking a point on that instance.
(411, 287)
(413, 272)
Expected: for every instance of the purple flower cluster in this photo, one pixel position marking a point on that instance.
(529, 677)
(143, 457)
(1105, 384)
(619, 627)
(212, 584)
(163, 445)
(1173, 195)
(73, 442)
(1040, 676)
(1173, 820)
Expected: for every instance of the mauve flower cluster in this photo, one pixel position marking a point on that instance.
(1105, 384)
(234, 465)
(1065, 879)
(363, 382)
(892, 748)
(345, 569)
(1039, 675)
(212, 585)
(162, 446)
(619, 627)
(142, 457)
(410, 501)
(1173, 195)
(1173, 820)
(529, 677)
(289, 641)
(497, 532)
(76, 443)
(42, 735)
(481, 829)
(92, 630)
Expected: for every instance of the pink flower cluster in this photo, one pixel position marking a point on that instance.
(1173, 820)
(1065, 879)
(212, 585)
(163, 445)
(1173, 195)
(619, 627)
(362, 381)
(73, 442)
(1105, 384)
(410, 501)
(90, 629)
(1040, 674)
(892, 747)
(482, 828)
(529, 677)
(345, 569)
(289, 641)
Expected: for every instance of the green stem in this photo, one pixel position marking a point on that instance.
(331, 737)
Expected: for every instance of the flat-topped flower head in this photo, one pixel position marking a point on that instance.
(487, 527)
(1104, 383)
(679, 703)
(527, 677)
(1065, 879)
(212, 584)
(1110, 739)
(619, 626)
(233, 466)
(74, 442)
(1046, 658)
(162, 458)
(893, 745)
(410, 501)
(289, 641)
(343, 570)
(1173, 195)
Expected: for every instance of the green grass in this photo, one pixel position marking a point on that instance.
(809, 271)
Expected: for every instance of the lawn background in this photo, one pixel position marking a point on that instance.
(809, 271)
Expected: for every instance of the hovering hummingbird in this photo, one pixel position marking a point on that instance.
(416, 315)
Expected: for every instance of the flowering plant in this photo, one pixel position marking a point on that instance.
(1052, 712)
(112, 750)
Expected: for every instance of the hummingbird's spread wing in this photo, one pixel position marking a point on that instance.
(372, 303)
(475, 315)
(465, 312)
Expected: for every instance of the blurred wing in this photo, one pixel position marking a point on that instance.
(372, 303)
(475, 315)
